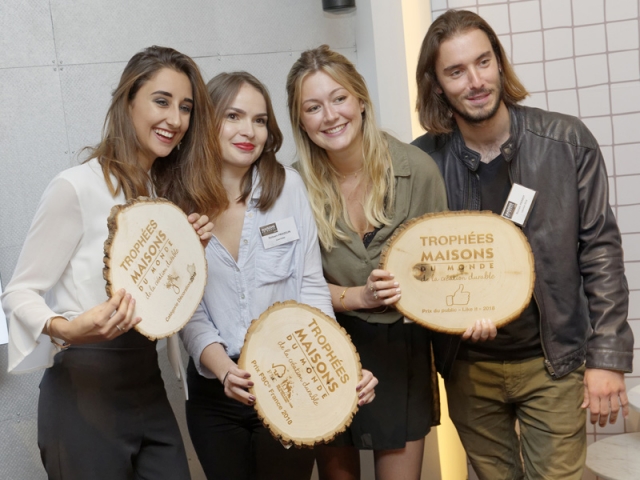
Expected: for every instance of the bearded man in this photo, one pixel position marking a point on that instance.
(570, 347)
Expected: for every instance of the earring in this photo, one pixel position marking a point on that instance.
(178, 147)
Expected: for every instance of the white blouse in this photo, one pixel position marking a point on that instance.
(59, 271)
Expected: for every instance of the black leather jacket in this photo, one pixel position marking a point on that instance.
(580, 287)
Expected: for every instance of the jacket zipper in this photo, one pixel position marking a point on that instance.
(547, 363)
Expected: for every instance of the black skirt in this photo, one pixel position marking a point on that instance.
(399, 355)
(103, 413)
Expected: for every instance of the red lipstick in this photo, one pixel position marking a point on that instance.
(247, 147)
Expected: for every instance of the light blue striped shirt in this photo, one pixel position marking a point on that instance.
(238, 292)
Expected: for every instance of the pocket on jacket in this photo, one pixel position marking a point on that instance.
(275, 264)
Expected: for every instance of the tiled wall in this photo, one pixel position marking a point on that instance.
(582, 57)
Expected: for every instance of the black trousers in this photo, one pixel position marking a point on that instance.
(230, 440)
(103, 414)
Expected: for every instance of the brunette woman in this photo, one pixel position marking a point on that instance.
(245, 278)
(103, 412)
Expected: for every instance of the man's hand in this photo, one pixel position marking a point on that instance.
(481, 331)
(604, 394)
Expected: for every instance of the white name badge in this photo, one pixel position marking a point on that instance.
(518, 204)
(278, 233)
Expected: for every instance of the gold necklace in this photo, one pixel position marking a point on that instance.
(352, 174)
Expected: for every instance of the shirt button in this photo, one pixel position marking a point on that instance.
(242, 296)
(245, 241)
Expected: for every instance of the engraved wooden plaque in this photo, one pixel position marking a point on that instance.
(305, 371)
(154, 253)
(457, 267)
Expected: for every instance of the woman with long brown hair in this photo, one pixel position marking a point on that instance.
(103, 411)
(246, 276)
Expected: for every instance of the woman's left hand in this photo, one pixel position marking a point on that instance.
(202, 226)
(366, 388)
(380, 290)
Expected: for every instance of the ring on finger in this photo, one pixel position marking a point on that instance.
(120, 328)
(375, 294)
(371, 287)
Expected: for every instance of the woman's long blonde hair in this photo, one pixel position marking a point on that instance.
(320, 178)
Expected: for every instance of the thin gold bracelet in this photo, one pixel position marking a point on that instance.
(61, 346)
(342, 295)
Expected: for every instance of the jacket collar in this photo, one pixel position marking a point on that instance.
(471, 158)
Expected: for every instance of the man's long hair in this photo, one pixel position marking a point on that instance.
(433, 110)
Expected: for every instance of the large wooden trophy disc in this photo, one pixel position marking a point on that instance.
(305, 371)
(457, 267)
(154, 253)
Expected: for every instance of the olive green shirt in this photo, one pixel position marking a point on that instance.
(419, 189)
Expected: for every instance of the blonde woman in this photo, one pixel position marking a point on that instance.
(362, 185)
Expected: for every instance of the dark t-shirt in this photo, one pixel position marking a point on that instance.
(519, 339)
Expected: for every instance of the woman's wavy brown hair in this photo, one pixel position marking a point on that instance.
(188, 176)
(433, 110)
(223, 89)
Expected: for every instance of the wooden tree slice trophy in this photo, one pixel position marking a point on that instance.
(305, 371)
(154, 253)
(457, 267)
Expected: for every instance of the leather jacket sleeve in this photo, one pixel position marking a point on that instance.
(610, 344)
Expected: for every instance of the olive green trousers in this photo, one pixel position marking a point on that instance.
(487, 397)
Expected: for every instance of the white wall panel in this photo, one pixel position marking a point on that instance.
(198, 28)
(558, 43)
(280, 25)
(103, 31)
(26, 34)
(621, 9)
(556, 13)
(627, 159)
(525, 16)
(86, 93)
(34, 146)
(586, 12)
(632, 270)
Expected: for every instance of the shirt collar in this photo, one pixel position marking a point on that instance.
(256, 186)
(399, 158)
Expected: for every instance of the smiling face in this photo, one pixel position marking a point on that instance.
(469, 76)
(244, 133)
(331, 115)
(160, 113)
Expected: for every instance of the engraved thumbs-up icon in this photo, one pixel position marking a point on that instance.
(460, 297)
